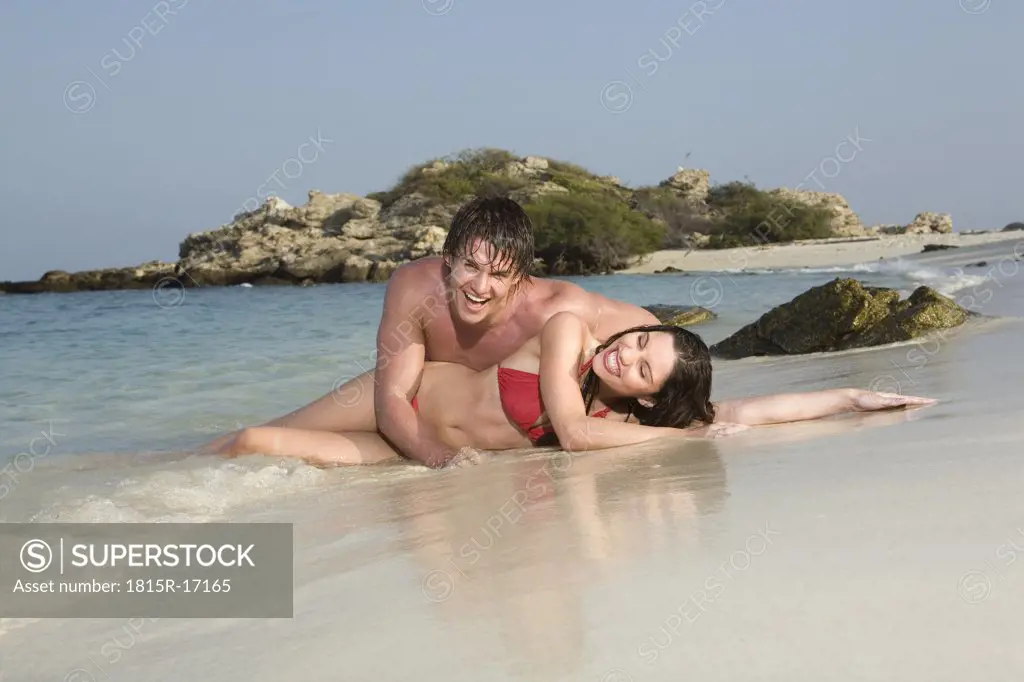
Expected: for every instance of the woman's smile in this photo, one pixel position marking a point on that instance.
(611, 362)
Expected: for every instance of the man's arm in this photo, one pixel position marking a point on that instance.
(401, 354)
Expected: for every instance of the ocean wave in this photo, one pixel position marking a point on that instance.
(194, 492)
(945, 281)
(942, 280)
(827, 270)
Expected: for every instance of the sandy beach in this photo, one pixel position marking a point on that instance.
(810, 253)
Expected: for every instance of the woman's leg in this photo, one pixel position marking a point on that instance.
(316, 447)
(348, 408)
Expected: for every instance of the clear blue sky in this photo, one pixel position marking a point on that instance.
(218, 95)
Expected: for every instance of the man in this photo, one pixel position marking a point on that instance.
(474, 305)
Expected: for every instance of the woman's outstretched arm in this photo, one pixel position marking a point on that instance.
(562, 342)
(793, 407)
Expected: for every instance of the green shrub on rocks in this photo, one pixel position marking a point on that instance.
(587, 228)
(679, 215)
(453, 179)
(748, 216)
(597, 225)
(581, 181)
(579, 234)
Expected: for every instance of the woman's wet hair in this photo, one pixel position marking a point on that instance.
(684, 398)
(500, 221)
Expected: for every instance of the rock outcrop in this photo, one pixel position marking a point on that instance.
(332, 238)
(845, 222)
(1013, 226)
(680, 316)
(145, 276)
(691, 183)
(532, 192)
(925, 222)
(840, 315)
(930, 223)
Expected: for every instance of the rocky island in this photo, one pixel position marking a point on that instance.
(584, 224)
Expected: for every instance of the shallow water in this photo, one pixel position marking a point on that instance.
(136, 371)
(833, 549)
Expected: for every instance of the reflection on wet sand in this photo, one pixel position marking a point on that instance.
(891, 369)
(511, 546)
(509, 549)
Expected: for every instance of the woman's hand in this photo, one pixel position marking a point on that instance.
(871, 401)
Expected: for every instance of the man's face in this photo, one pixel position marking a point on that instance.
(479, 283)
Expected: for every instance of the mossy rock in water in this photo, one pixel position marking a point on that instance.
(840, 315)
(680, 316)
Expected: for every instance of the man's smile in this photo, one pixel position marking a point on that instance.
(475, 302)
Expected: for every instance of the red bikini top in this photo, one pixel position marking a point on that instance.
(520, 398)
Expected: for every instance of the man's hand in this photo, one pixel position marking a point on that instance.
(466, 456)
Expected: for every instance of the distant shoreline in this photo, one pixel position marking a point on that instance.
(812, 253)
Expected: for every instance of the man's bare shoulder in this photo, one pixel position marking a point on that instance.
(556, 296)
(417, 279)
(597, 310)
(421, 269)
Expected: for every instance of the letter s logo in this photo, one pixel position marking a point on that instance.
(79, 97)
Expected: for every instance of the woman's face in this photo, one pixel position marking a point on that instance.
(636, 364)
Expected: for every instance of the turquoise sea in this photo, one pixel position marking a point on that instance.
(139, 371)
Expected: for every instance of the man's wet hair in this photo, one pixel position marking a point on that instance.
(500, 221)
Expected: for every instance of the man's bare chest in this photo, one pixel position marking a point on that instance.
(476, 351)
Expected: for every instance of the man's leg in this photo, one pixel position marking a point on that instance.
(348, 408)
(316, 447)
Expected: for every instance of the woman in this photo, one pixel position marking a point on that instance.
(562, 387)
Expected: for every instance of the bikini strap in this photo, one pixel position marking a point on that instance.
(585, 367)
